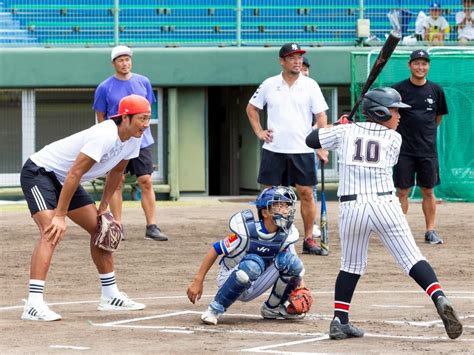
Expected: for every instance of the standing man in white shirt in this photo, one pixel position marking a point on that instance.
(464, 21)
(293, 102)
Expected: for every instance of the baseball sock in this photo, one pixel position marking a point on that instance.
(424, 275)
(109, 287)
(36, 289)
(345, 287)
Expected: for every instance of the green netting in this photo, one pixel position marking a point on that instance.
(453, 69)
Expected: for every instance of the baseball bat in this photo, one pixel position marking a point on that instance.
(324, 218)
(382, 59)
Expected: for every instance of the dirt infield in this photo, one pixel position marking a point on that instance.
(396, 314)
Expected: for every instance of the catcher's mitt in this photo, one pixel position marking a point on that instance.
(108, 233)
(300, 301)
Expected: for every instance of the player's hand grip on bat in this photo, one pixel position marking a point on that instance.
(344, 119)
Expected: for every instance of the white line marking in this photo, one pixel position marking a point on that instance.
(266, 347)
(6, 308)
(144, 318)
(69, 347)
(394, 306)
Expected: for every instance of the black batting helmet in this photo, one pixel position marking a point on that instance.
(377, 102)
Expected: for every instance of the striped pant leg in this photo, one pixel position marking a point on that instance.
(262, 284)
(354, 230)
(393, 229)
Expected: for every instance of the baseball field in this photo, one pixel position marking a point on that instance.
(396, 315)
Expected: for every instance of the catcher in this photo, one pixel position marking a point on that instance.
(258, 255)
(51, 180)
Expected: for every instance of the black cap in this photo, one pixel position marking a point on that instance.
(419, 54)
(306, 62)
(290, 48)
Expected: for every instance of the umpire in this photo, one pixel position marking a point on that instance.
(418, 126)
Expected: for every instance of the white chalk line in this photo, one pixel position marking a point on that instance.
(7, 308)
(71, 347)
(394, 306)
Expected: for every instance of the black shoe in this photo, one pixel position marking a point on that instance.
(154, 233)
(339, 331)
(450, 319)
(431, 237)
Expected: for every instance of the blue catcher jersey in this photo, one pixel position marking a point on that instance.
(247, 239)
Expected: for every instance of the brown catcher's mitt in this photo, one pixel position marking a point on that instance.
(108, 234)
(300, 301)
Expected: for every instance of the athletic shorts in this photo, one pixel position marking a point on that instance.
(287, 169)
(141, 165)
(41, 189)
(426, 171)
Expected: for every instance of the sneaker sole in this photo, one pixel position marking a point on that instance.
(156, 239)
(115, 308)
(315, 252)
(208, 322)
(28, 317)
(451, 322)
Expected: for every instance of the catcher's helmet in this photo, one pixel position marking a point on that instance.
(377, 102)
(277, 194)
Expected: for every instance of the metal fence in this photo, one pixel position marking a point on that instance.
(88, 23)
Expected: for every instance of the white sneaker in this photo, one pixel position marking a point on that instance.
(39, 312)
(316, 231)
(278, 313)
(210, 316)
(119, 303)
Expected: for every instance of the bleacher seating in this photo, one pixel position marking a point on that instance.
(186, 22)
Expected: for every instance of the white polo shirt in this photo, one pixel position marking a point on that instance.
(290, 111)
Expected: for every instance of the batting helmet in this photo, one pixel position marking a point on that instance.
(273, 195)
(377, 102)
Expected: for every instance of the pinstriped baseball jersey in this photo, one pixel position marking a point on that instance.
(367, 152)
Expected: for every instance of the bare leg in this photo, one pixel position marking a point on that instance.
(403, 197)
(308, 209)
(86, 217)
(43, 252)
(429, 207)
(148, 198)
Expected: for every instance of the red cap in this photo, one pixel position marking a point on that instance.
(133, 104)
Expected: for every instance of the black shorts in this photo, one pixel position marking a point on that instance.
(426, 171)
(41, 189)
(287, 169)
(141, 165)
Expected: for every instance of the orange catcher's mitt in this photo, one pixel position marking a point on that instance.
(300, 301)
(108, 233)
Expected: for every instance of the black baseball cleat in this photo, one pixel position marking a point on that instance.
(154, 233)
(431, 237)
(340, 331)
(311, 247)
(450, 319)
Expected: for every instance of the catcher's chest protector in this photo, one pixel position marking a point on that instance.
(266, 249)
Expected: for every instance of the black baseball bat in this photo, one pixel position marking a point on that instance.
(382, 59)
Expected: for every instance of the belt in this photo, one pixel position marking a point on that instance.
(346, 198)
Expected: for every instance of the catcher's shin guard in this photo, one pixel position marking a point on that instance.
(281, 289)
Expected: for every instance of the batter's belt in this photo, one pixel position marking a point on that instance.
(347, 198)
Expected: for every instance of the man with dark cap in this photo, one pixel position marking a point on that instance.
(295, 104)
(418, 126)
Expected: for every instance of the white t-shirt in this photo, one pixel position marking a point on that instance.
(290, 111)
(468, 30)
(438, 25)
(100, 142)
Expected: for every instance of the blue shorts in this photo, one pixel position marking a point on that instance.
(41, 189)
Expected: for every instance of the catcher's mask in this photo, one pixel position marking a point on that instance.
(377, 102)
(280, 202)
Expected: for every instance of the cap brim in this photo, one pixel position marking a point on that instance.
(294, 52)
(424, 58)
(401, 105)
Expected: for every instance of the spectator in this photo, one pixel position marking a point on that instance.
(107, 97)
(436, 26)
(418, 126)
(293, 102)
(464, 21)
